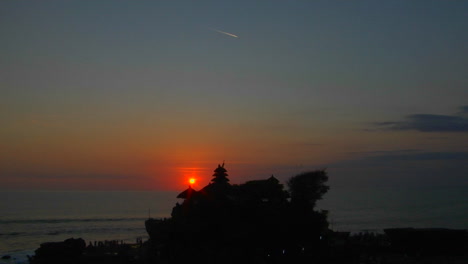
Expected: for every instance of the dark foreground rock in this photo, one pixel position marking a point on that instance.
(68, 251)
(428, 241)
(335, 248)
(332, 248)
(75, 251)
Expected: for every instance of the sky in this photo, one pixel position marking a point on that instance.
(143, 95)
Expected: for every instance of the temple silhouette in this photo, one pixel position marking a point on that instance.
(259, 222)
(251, 222)
(219, 196)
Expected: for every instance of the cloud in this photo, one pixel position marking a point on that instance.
(399, 168)
(225, 33)
(423, 156)
(384, 152)
(464, 109)
(390, 156)
(68, 176)
(308, 144)
(429, 123)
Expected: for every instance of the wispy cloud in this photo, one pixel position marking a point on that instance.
(429, 123)
(224, 32)
(464, 109)
(402, 168)
(385, 152)
(421, 156)
(388, 157)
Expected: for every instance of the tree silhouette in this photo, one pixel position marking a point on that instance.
(308, 187)
(306, 226)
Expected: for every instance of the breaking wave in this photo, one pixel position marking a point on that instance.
(68, 220)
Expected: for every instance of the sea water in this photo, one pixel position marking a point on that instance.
(29, 218)
(374, 209)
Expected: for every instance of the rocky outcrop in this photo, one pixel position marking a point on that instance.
(428, 241)
(68, 251)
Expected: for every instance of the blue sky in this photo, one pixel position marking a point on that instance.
(138, 90)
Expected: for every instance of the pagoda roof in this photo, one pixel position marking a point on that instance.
(187, 193)
(271, 180)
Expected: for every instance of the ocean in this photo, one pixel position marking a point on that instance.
(374, 209)
(29, 218)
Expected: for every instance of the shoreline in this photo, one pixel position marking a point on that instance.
(337, 247)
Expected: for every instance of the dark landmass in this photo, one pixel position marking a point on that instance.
(260, 222)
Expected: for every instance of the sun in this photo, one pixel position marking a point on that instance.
(192, 180)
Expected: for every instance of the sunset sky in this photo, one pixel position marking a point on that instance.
(143, 95)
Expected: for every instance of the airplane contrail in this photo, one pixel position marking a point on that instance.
(226, 33)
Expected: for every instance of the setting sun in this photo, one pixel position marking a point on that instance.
(191, 180)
